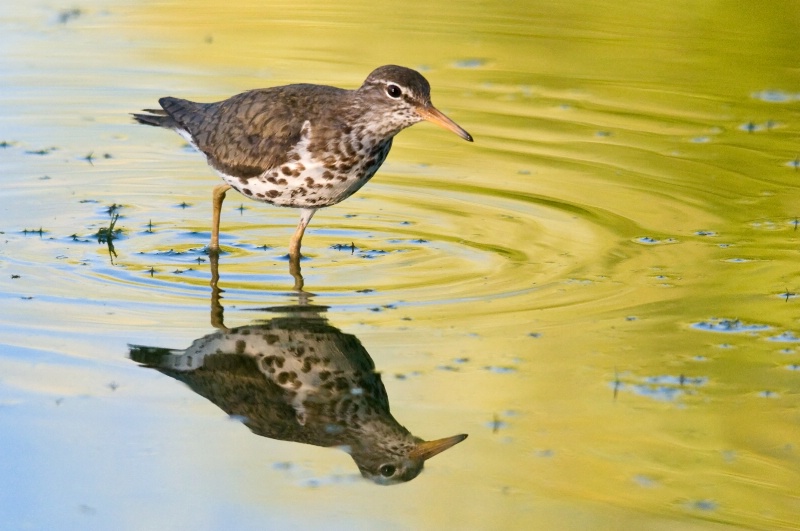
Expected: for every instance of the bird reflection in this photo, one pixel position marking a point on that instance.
(297, 378)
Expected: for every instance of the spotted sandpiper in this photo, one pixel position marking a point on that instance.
(303, 146)
(298, 378)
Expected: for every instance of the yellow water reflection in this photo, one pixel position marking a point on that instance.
(601, 290)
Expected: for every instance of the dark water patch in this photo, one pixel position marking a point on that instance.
(470, 63)
(661, 388)
(647, 240)
(701, 505)
(785, 337)
(775, 96)
(41, 151)
(732, 326)
(499, 369)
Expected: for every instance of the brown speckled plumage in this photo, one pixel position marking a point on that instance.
(303, 146)
(300, 379)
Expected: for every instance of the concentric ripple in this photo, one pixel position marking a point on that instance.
(418, 245)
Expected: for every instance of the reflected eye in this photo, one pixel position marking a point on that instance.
(387, 471)
(394, 91)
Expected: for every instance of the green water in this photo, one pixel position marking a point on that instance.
(600, 290)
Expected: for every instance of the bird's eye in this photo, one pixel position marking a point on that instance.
(387, 471)
(394, 91)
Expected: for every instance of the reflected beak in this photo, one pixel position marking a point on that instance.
(432, 114)
(427, 449)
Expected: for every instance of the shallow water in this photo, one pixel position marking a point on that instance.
(600, 290)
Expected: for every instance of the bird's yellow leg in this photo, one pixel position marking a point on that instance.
(218, 196)
(294, 247)
(297, 237)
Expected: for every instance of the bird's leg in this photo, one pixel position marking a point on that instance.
(218, 196)
(297, 237)
(294, 247)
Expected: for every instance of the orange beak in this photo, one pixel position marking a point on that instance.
(432, 114)
(427, 449)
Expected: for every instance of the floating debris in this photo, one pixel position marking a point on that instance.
(734, 326)
(107, 235)
(44, 151)
(373, 253)
(647, 240)
(702, 505)
(67, 15)
(496, 424)
(750, 127)
(665, 388)
(786, 295)
(785, 337)
(344, 247)
(500, 370)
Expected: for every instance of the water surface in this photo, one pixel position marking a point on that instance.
(600, 290)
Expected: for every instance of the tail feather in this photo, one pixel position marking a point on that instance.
(156, 117)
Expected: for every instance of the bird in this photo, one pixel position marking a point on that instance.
(303, 146)
(298, 378)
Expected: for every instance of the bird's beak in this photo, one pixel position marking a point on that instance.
(432, 114)
(427, 449)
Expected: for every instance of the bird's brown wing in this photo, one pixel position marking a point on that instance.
(251, 132)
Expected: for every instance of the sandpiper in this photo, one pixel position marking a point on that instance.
(298, 378)
(302, 146)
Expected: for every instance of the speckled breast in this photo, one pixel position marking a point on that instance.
(313, 178)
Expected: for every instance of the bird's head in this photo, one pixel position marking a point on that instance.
(392, 464)
(403, 97)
